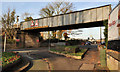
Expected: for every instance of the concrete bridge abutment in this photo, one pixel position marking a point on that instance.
(28, 40)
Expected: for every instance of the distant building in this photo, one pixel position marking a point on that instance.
(44, 35)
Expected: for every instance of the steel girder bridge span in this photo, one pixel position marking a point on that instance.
(93, 17)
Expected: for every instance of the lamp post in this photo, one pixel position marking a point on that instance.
(5, 41)
(100, 35)
(17, 20)
(49, 40)
(16, 36)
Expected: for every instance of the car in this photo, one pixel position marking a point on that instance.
(102, 43)
(88, 43)
(94, 42)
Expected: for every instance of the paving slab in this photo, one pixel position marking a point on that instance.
(39, 65)
(87, 67)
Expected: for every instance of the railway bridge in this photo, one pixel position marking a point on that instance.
(93, 17)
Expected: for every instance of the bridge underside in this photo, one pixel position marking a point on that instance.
(67, 27)
(29, 37)
(93, 17)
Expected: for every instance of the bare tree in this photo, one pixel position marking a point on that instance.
(8, 20)
(56, 8)
(27, 16)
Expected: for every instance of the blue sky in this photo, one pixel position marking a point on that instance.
(34, 8)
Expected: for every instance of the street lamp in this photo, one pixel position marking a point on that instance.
(17, 20)
(100, 34)
(5, 41)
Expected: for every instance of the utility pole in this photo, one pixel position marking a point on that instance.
(100, 34)
(5, 41)
(17, 20)
(49, 40)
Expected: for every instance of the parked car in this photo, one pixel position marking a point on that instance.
(94, 42)
(88, 43)
(102, 43)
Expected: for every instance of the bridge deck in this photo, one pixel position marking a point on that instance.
(67, 27)
(79, 19)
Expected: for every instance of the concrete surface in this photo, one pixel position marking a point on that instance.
(61, 62)
(39, 65)
(87, 67)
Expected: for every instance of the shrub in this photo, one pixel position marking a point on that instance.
(11, 41)
(60, 48)
(72, 49)
(67, 49)
(54, 40)
(75, 42)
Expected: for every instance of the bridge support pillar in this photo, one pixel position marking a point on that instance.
(29, 40)
(22, 40)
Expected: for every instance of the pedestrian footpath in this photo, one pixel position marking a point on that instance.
(39, 65)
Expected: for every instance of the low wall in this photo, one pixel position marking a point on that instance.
(113, 60)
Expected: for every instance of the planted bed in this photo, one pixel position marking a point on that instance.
(69, 51)
(9, 58)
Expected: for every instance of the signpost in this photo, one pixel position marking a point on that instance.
(36, 24)
(32, 24)
(113, 25)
